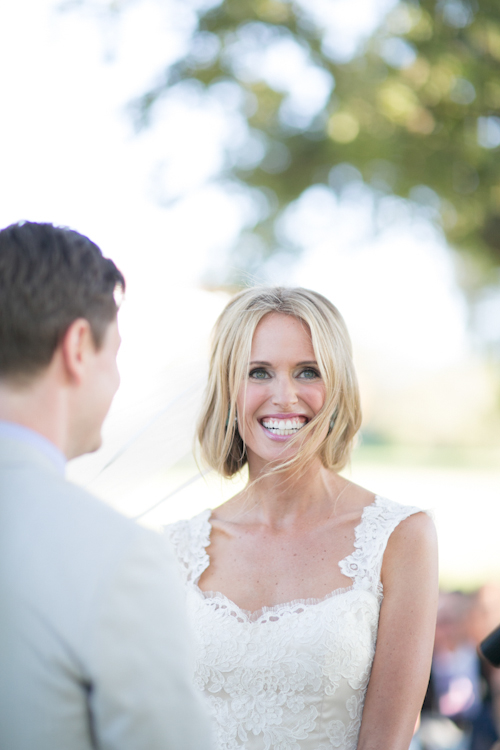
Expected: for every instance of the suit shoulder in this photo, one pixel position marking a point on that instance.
(55, 514)
(107, 527)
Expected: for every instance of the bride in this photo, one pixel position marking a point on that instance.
(313, 600)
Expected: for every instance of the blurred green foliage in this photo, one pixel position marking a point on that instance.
(417, 105)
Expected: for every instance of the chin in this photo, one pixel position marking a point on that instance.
(96, 444)
(275, 456)
(90, 446)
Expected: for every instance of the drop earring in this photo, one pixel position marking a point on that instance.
(228, 415)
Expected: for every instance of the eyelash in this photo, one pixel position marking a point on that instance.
(262, 370)
(311, 369)
(258, 369)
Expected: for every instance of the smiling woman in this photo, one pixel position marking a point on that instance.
(283, 393)
(254, 327)
(313, 600)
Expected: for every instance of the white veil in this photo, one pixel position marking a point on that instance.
(145, 467)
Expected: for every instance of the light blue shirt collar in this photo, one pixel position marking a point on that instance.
(14, 431)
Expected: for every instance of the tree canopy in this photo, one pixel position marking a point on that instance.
(415, 110)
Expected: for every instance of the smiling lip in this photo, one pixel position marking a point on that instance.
(282, 426)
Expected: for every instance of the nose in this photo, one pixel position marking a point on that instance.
(285, 392)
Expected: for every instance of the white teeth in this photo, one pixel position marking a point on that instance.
(283, 426)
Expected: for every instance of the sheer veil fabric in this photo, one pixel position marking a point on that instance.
(293, 676)
(148, 435)
(145, 438)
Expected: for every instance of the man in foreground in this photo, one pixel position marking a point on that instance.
(93, 649)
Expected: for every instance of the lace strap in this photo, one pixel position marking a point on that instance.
(372, 534)
(189, 540)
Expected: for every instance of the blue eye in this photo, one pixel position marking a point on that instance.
(309, 374)
(259, 374)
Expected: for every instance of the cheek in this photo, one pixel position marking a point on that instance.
(110, 380)
(115, 380)
(250, 399)
(315, 397)
(116, 376)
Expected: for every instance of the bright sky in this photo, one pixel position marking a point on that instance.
(68, 155)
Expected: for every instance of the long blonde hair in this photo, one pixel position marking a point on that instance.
(222, 446)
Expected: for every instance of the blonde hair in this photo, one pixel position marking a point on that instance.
(222, 446)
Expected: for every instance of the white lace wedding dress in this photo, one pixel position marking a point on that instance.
(293, 676)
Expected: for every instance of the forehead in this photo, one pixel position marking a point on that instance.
(277, 333)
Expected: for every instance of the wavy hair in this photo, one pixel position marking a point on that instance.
(222, 446)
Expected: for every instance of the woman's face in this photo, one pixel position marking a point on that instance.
(284, 388)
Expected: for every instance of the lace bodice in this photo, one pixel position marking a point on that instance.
(293, 676)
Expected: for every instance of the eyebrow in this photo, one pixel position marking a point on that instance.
(268, 364)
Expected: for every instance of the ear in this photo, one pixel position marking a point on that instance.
(76, 345)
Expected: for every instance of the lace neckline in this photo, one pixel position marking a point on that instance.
(348, 566)
(266, 614)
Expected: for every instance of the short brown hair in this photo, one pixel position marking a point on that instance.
(49, 277)
(222, 446)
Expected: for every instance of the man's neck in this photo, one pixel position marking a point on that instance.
(37, 406)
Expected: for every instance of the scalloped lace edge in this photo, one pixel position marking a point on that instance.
(273, 612)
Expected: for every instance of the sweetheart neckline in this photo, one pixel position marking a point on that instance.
(274, 612)
(255, 616)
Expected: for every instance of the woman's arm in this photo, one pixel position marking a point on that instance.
(402, 662)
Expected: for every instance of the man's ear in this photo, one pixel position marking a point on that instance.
(76, 345)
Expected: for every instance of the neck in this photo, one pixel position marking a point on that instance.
(39, 406)
(283, 498)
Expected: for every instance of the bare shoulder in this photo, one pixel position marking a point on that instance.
(416, 532)
(411, 549)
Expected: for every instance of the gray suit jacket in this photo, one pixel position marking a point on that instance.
(93, 640)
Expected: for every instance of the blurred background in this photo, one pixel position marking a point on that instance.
(351, 146)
